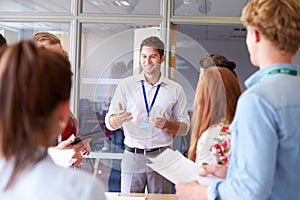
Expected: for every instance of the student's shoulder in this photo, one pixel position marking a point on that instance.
(45, 180)
(54, 172)
(79, 183)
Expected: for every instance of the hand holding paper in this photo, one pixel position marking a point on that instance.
(176, 168)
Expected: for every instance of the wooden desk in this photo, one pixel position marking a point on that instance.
(149, 196)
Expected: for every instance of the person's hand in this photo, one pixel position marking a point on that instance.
(191, 191)
(217, 170)
(159, 122)
(81, 148)
(116, 120)
(86, 144)
(79, 158)
(66, 144)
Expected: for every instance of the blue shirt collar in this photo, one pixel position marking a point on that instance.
(255, 78)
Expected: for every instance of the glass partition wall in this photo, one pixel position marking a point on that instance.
(102, 38)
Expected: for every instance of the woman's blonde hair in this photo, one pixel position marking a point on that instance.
(51, 38)
(215, 100)
(46, 36)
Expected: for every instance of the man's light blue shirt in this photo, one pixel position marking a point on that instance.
(265, 158)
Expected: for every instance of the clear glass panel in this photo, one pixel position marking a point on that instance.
(29, 6)
(122, 6)
(107, 55)
(193, 42)
(231, 8)
(15, 31)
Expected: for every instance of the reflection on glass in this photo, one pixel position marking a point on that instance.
(188, 52)
(107, 55)
(122, 6)
(230, 8)
(213, 32)
(48, 6)
(221, 39)
(15, 31)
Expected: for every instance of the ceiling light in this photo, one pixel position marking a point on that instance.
(118, 3)
(124, 3)
(186, 2)
(96, 3)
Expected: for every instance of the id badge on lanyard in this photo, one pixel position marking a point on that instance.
(146, 124)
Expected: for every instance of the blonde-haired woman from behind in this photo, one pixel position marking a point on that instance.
(215, 103)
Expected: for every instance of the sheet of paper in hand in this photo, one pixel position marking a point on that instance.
(178, 169)
(62, 158)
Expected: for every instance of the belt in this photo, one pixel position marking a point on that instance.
(145, 151)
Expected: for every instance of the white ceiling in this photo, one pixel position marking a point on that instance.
(182, 7)
(35, 5)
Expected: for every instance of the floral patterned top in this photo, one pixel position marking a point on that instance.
(213, 147)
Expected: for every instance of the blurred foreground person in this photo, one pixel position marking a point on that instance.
(34, 97)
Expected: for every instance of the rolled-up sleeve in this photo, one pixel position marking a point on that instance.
(114, 105)
(180, 109)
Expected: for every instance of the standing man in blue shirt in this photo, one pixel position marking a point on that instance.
(151, 109)
(266, 132)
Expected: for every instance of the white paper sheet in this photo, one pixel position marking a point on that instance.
(118, 196)
(178, 169)
(62, 158)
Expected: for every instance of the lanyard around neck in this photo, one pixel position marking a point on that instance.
(279, 71)
(145, 98)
